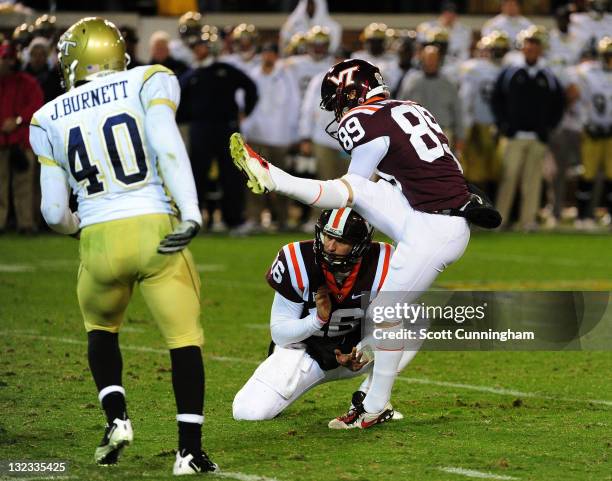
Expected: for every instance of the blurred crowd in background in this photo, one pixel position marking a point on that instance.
(528, 110)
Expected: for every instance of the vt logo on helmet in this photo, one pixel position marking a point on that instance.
(349, 84)
(345, 77)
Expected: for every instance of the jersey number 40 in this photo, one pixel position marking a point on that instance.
(85, 171)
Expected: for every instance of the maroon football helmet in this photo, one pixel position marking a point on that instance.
(350, 83)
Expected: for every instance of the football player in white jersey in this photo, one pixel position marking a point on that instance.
(595, 84)
(113, 140)
(316, 60)
(375, 38)
(459, 36)
(510, 21)
(245, 56)
(591, 26)
(477, 76)
(564, 47)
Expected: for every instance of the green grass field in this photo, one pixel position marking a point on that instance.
(526, 416)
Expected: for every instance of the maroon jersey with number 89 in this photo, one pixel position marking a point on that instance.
(418, 156)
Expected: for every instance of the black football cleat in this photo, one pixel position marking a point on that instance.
(186, 463)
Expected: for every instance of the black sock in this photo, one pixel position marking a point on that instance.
(584, 193)
(106, 364)
(190, 437)
(188, 385)
(608, 195)
(114, 406)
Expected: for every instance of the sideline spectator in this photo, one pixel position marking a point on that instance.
(131, 44)
(596, 96)
(510, 21)
(480, 158)
(48, 78)
(208, 103)
(245, 38)
(20, 97)
(159, 45)
(375, 39)
(271, 128)
(438, 94)
(528, 104)
(306, 15)
(317, 58)
(459, 36)
(189, 30)
(332, 162)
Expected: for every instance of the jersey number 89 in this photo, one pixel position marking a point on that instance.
(88, 172)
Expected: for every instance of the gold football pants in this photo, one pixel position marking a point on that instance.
(119, 254)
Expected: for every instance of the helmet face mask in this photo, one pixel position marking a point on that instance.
(346, 226)
(349, 84)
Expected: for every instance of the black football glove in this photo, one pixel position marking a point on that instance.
(178, 239)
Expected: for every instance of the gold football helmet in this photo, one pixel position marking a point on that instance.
(497, 42)
(318, 35)
(44, 26)
(244, 32)
(190, 24)
(22, 35)
(90, 46)
(374, 31)
(604, 47)
(535, 33)
(436, 36)
(296, 45)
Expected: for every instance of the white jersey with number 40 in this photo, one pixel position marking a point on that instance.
(96, 134)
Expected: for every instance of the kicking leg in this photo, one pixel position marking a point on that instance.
(265, 177)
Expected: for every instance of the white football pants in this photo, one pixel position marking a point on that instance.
(426, 245)
(266, 394)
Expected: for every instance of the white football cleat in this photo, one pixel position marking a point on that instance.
(397, 416)
(116, 436)
(253, 165)
(358, 417)
(186, 464)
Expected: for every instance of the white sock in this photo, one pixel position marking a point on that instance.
(384, 373)
(407, 356)
(329, 194)
(365, 385)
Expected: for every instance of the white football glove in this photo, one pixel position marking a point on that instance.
(178, 239)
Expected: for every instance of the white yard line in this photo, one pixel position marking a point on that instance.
(501, 391)
(126, 347)
(413, 380)
(262, 327)
(17, 268)
(523, 259)
(211, 267)
(243, 476)
(471, 473)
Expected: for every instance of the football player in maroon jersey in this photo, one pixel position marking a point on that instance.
(316, 316)
(421, 201)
